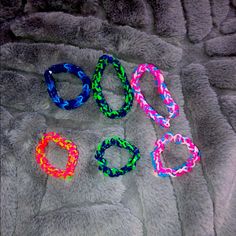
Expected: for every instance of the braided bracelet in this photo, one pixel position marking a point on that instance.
(63, 143)
(179, 170)
(172, 107)
(77, 71)
(97, 89)
(114, 172)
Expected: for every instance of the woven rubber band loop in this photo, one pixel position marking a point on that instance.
(122, 143)
(97, 89)
(52, 91)
(172, 107)
(66, 144)
(186, 167)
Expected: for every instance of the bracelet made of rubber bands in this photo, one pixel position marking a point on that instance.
(97, 89)
(46, 166)
(172, 107)
(77, 71)
(116, 141)
(186, 167)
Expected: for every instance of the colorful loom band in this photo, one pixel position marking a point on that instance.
(52, 91)
(179, 170)
(172, 107)
(97, 89)
(63, 143)
(116, 141)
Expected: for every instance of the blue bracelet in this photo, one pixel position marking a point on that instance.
(52, 91)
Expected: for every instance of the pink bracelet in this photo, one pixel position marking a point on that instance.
(179, 170)
(172, 107)
(46, 166)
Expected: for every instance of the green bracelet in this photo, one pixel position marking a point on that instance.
(122, 143)
(97, 89)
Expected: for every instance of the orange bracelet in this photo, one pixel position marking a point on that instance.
(46, 166)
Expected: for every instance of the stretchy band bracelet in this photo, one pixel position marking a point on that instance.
(179, 170)
(63, 143)
(114, 172)
(77, 71)
(97, 89)
(172, 107)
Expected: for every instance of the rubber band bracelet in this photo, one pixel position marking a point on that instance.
(172, 107)
(186, 167)
(116, 141)
(46, 166)
(52, 91)
(97, 89)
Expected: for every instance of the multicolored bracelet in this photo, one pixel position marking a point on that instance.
(97, 89)
(173, 108)
(116, 141)
(179, 170)
(63, 143)
(77, 71)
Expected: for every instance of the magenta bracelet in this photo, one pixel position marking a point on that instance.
(172, 107)
(186, 167)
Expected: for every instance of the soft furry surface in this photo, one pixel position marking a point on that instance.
(193, 42)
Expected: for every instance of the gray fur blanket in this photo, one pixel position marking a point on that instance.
(193, 43)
